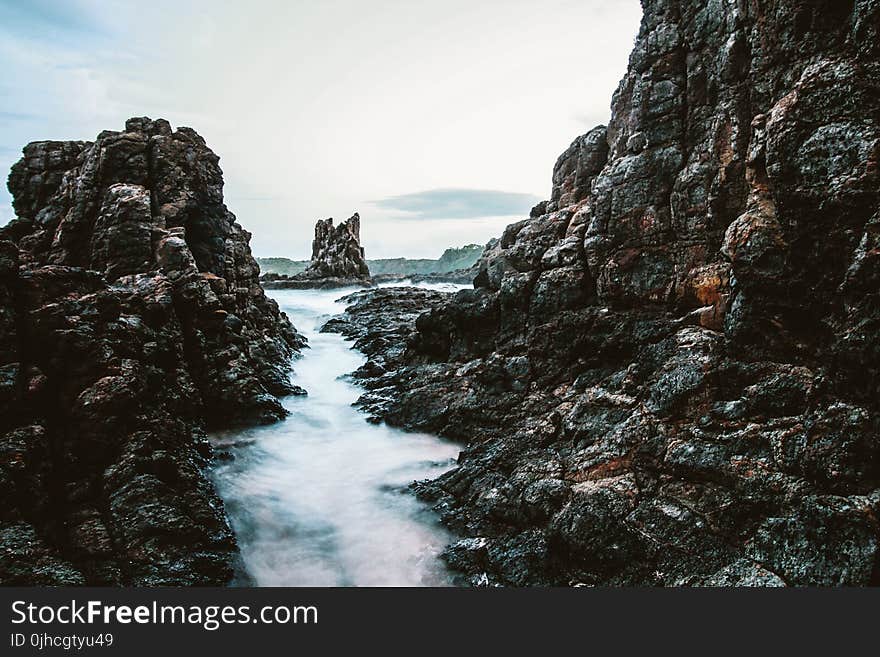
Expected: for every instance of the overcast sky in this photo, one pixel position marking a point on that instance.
(439, 121)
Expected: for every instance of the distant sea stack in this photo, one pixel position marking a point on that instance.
(337, 258)
(337, 251)
(455, 265)
(132, 320)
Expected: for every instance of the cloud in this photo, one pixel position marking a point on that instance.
(459, 203)
(386, 98)
(40, 19)
(18, 116)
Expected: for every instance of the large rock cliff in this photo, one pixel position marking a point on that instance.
(669, 374)
(132, 320)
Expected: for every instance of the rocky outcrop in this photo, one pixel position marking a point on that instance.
(337, 258)
(337, 251)
(132, 320)
(457, 276)
(382, 323)
(454, 265)
(668, 374)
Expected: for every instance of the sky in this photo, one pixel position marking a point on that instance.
(438, 121)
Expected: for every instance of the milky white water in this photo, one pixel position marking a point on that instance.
(320, 498)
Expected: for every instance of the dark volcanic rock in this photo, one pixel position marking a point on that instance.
(131, 320)
(337, 251)
(382, 324)
(669, 373)
(459, 276)
(337, 258)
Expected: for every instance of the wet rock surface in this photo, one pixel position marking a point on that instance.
(337, 259)
(131, 321)
(668, 374)
(458, 276)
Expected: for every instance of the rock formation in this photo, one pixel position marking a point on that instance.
(454, 265)
(669, 374)
(131, 320)
(337, 251)
(337, 258)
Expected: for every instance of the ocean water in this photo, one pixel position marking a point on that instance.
(320, 499)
